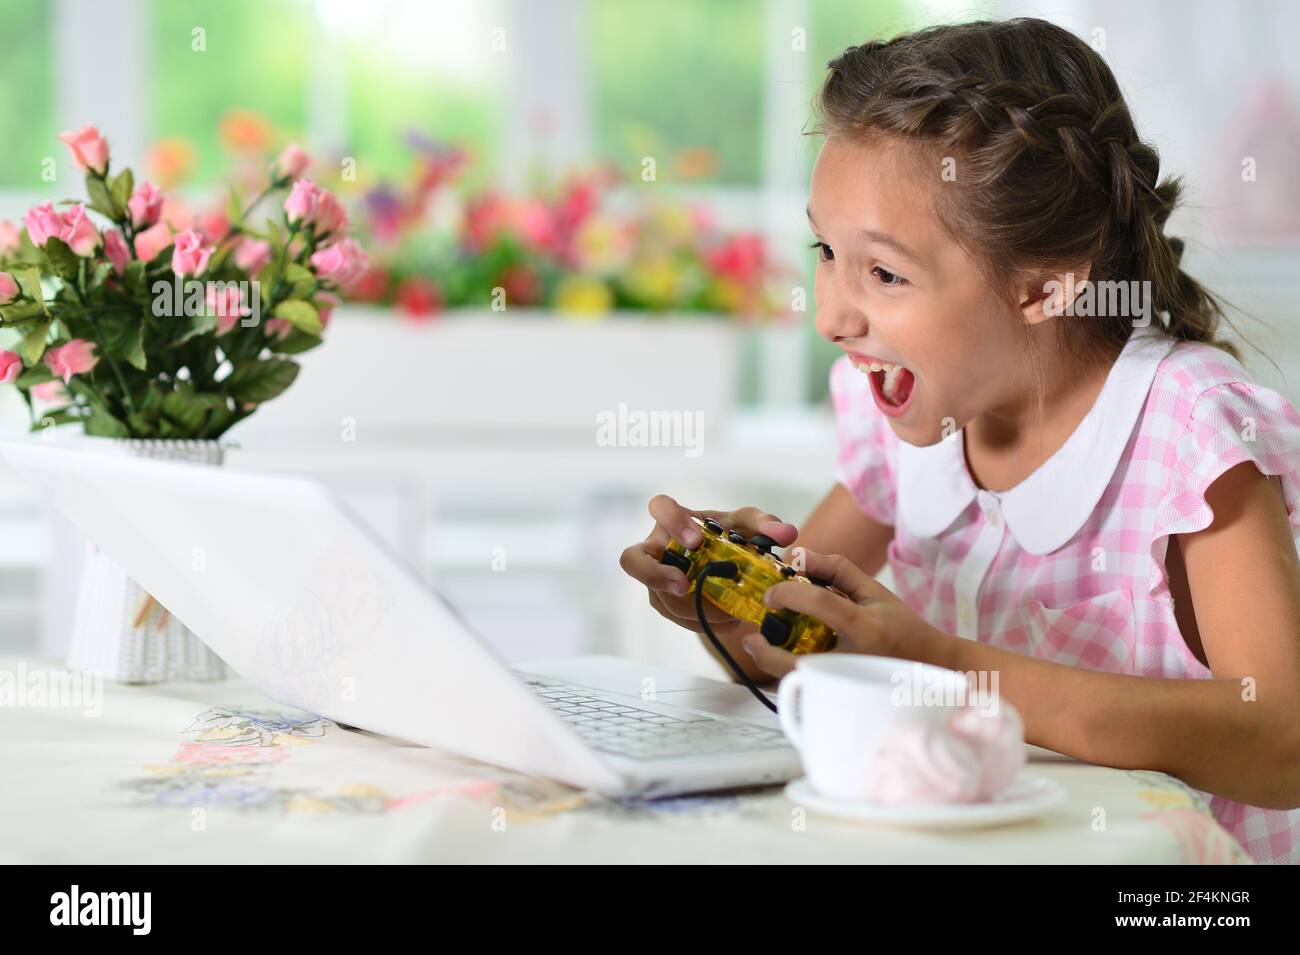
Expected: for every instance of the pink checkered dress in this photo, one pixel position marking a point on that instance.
(1069, 565)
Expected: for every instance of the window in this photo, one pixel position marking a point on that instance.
(681, 81)
(421, 68)
(256, 56)
(27, 93)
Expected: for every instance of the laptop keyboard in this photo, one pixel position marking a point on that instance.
(643, 734)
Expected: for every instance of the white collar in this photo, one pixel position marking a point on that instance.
(1049, 507)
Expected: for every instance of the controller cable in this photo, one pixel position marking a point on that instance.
(727, 569)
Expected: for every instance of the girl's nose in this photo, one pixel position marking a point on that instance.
(838, 315)
(837, 322)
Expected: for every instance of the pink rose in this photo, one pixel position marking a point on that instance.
(74, 358)
(43, 223)
(152, 241)
(343, 262)
(10, 238)
(52, 393)
(292, 163)
(252, 254)
(177, 214)
(89, 149)
(213, 226)
(9, 288)
(190, 256)
(330, 216)
(225, 302)
(301, 204)
(278, 327)
(116, 249)
(79, 232)
(145, 205)
(11, 366)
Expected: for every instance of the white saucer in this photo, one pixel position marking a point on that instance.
(1028, 796)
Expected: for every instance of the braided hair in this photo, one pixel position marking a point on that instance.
(1048, 171)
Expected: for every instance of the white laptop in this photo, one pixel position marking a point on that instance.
(300, 599)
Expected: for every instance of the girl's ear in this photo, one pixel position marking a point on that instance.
(1054, 295)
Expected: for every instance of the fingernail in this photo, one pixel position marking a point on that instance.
(691, 537)
(750, 644)
(679, 587)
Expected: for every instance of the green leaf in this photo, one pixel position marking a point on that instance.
(36, 375)
(301, 315)
(259, 381)
(62, 260)
(100, 198)
(141, 426)
(29, 280)
(188, 411)
(33, 346)
(101, 424)
(302, 279)
(133, 348)
(218, 421)
(120, 188)
(295, 343)
(274, 236)
(61, 416)
(101, 272)
(133, 277)
(123, 334)
(195, 325)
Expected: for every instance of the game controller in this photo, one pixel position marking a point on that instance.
(742, 571)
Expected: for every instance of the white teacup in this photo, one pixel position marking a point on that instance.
(891, 731)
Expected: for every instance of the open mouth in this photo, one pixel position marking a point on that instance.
(891, 384)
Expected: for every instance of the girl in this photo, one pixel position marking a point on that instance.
(1095, 502)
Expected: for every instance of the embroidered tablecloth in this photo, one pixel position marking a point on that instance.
(216, 772)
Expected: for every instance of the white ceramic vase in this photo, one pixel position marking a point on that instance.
(118, 630)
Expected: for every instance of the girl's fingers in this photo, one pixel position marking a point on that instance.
(750, 521)
(641, 562)
(835, 610)
(724, 626)
(770, 659)
(676, 520)
(682, 609)
(840, 572)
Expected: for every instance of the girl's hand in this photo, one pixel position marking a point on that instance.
(870, 619)
(667, 585)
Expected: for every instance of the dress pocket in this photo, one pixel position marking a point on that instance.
(1097, 633)
(913, 579)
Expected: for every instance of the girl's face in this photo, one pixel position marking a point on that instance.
(907, 303)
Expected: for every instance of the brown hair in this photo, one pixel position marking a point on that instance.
(1050, 170)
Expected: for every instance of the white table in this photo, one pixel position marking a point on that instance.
(199, 773)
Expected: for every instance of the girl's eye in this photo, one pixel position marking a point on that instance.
(826, 253)
(888, 278)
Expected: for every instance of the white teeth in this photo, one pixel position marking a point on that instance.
(890, 384)
(868, 368)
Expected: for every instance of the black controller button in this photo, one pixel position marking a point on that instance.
(819, 581)
(712, 525)
(788, 571)
(737, 538)
(776, 630)
(763, 543)
(674, 559)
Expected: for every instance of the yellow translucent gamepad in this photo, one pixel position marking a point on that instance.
(756, 569)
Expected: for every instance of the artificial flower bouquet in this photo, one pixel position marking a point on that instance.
(563, 245)
(153, 323)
